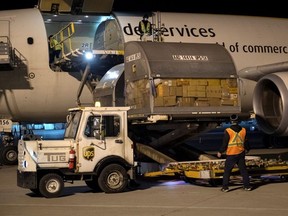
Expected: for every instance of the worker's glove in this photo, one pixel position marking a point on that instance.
(219, 154)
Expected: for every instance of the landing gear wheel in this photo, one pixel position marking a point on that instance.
(51, 185)
(9, 155)
(113, 179)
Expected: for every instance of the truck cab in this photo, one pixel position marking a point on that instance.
(96, 149)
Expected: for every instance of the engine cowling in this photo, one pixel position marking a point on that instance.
(270, 103)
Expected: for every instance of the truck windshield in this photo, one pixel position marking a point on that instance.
(72, 124)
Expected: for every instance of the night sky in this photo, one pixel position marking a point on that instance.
(275, 8)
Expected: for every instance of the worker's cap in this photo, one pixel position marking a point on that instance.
(234, 118)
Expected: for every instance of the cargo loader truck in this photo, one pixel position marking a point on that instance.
(97, 150)
(163, 94)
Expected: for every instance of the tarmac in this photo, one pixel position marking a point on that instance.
(153, 197)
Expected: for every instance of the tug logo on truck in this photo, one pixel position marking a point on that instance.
(88, 153)
(55, 157)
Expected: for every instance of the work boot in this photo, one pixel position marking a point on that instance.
(247, 188)
(225, 189)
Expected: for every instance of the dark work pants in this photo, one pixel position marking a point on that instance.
(230, 162)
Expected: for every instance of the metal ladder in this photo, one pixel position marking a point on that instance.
(6, 60)
(10, 57)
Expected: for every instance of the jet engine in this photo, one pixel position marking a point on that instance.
(270, 103)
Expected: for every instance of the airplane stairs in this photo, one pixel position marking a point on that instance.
(6, 60)
(9, 57)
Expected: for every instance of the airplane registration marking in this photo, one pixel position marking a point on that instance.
(5, 122)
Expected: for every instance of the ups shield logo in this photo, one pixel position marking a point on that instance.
(88, 153)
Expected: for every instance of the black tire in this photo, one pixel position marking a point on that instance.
(215, 182)
(189, 180)
(113, 179)
(93, 184)
(284, 177)
(9, 155)
(51, 185)
(36, 191)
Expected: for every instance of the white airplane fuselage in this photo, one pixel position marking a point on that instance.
(41, 94)
(258, 46)
(33, 92)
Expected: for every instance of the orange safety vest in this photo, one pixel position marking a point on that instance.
(236, 141)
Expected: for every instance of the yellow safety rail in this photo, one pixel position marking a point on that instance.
(64, 35)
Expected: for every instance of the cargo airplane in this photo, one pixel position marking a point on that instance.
(31, 90)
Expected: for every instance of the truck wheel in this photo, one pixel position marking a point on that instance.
(93, 184)
(51, 185)
(36, 191)
(284, 177)
(9, 155)
(113, 179)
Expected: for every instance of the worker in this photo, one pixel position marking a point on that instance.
(236, 147)
(145, 28)
(56, 46)
(51, 53)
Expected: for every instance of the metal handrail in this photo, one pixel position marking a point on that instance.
(63, 35)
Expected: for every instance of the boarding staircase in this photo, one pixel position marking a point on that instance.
(9, 57)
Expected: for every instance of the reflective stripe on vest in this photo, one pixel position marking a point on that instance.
(145, 29)
(236, 141)
(55, 45)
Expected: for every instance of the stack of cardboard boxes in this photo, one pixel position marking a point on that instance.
(183, 92)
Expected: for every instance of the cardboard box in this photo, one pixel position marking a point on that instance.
(182, 82)
(214, 82)
(198, 82)
(179, 91)
(162, 90)
(185, 101)
(170, 101)
(158, 101)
